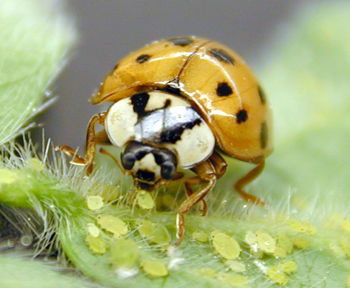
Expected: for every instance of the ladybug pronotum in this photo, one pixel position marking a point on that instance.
(176, 104)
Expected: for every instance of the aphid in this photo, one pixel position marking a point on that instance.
(176, 104)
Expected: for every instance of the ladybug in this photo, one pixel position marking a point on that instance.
(178, 104)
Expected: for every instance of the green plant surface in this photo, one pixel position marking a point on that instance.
(301, 238)
(25, 273)
(34, 40)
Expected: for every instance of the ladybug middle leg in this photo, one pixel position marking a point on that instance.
(91, 140)
(208, 171)
(195, 181)
(219, 165)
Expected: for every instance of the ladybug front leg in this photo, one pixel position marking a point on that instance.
(206, 173)
(195, 181)
(91, 141)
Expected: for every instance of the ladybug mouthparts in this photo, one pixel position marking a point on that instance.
(148, 164)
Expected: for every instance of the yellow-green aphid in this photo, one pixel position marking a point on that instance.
(301, 242)
(303, 227)
(236, 266)
(250, 238)
(113, 224)
(225, 245)
(125, 253)
(277, 275)
(155, 268)
(35, 164)
(153, 232)
(96, 245)
(94, 202)
(107, 191)
(284, 242)
(288, 266)
(280, 252)
(210, 272)
(93, 230)
(337, 249)
(7, 176)
(265, 242)
(200, 236)
(145, 200)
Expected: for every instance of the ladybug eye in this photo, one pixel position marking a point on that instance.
(128, 160)
(168, 170)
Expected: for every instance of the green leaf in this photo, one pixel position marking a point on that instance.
(34, 40)
(300, 240)
(19, 272)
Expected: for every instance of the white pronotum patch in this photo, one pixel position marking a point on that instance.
(157, 100)
(192, 144)
(120, 122)
(147, 163)
(195, 146)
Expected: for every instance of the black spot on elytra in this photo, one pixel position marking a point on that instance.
(223, 89)
(242, 116)
(264, 135)
(262, 95)
(113, 69)
(173, 135)
(181, 41)
(222, 55)
(143, 58)
(139, 101)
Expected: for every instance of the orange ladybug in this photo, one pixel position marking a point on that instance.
(176, 104)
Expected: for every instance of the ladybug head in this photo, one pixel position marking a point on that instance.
(148, 164)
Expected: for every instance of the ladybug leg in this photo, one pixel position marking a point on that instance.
(177, 178)
(206, 173)
(91, 142)
(194, 181)
(102, 138)
(219, 164)
(245, 180)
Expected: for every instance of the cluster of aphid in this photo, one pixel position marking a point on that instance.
(232, 250)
